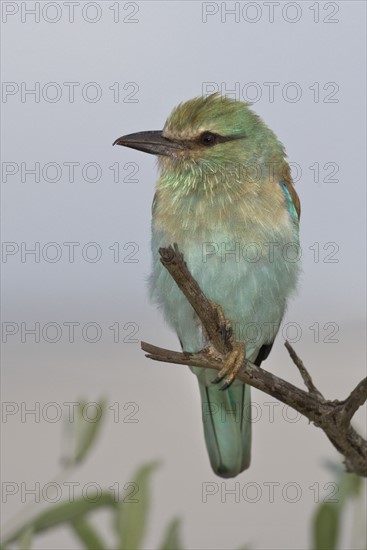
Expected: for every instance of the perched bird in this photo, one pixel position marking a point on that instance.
(226, 197)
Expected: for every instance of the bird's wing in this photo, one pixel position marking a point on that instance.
(263, 353)
(155, 200)
(292, 198)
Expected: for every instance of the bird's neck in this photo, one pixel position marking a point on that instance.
(188, 202)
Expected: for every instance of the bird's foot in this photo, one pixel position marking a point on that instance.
(225, 326)
(232, 366)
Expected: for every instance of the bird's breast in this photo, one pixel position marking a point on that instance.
(246, 265)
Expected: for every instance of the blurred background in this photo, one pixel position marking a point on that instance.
(76, 251)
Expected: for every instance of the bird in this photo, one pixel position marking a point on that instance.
(225, 195)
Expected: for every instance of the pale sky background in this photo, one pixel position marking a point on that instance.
(161, 53)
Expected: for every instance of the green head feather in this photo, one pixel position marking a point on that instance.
(240, 139)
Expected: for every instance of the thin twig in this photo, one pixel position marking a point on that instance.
(303, 371)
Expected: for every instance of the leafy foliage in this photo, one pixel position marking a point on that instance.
(328, 516)
(130, 514)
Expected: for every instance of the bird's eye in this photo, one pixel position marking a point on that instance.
(208, 139)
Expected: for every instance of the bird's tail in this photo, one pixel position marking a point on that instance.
(227, 427)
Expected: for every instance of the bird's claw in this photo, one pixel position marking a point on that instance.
(232, 366)
(225, 326)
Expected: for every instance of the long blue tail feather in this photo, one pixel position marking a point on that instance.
(227, 427)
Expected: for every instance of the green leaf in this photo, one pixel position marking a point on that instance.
(63, 513)
(87, 425)
(87, 534)
(25, 541)
(172, 540)
(353, 484)
(349, 488)
(326, 527)
(132, 512)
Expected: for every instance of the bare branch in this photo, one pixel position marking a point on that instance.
(304, 372)
(333, 417)
(356, 399)
(173, 261)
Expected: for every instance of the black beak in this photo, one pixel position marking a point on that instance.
(150, 142)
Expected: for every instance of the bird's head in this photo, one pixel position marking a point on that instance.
(207, 137)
